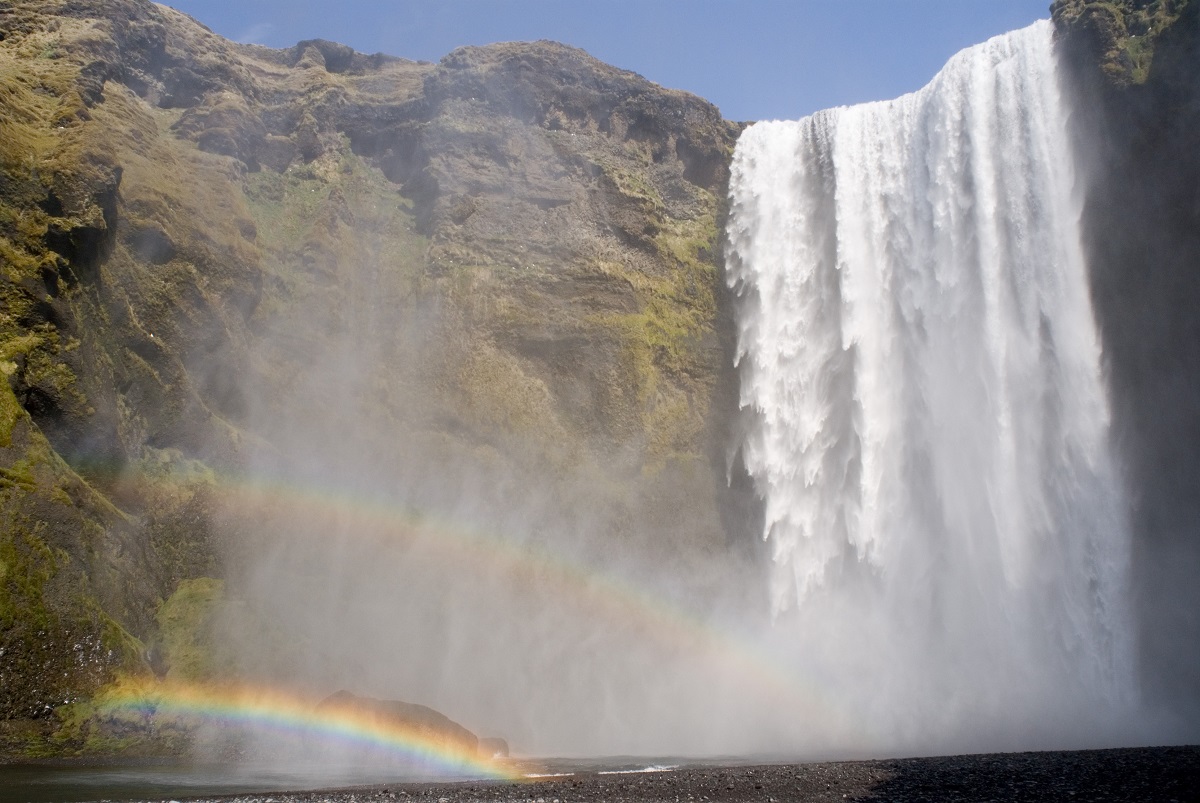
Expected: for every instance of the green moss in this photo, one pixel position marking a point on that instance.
(103, 726)
(633, 184)
(185, 623)
(504, 398)
(127, 650)
(676, 310)
(34, 358)
(44, 371)
(662, 342)
(1129, 30)
(11, 410)
(40, 348)
(29, 564)
(338, 220)
(285, 205)
(72, 726)
(18, 475)
(57, 639)
(1145, 23)
(16, 262)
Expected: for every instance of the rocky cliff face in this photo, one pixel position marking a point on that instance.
(495, 278)
(216, 257)
(1137, 111)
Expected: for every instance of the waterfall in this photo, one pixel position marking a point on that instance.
(927, 424)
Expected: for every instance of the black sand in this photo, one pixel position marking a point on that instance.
(1135, 774)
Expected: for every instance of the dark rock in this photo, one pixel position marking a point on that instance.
(1133, 71)
(223, 123)
(493, 747)
(430, 725)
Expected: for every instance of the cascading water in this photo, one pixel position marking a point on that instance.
(927, 421)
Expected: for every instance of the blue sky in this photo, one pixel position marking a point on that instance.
(755, 59)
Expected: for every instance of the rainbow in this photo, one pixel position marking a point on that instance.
(585, 587)
(279, 711)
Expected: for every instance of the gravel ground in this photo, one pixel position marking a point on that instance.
(1136, 774)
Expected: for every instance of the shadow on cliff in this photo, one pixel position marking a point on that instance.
(1137, 136)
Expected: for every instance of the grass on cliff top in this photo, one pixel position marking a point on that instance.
(1137, 26)
(1144, 24)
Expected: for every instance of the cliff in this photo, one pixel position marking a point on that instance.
(487, 290)
(1133, 70)
(500, 271)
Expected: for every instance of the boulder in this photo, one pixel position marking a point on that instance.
(429, 725)
(493, 747)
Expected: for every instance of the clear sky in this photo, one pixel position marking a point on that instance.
(755, 59)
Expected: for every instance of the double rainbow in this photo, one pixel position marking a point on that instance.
(597, 593)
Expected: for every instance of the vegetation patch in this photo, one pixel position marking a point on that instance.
(185, 645)
(664, 341)
(1128, 32)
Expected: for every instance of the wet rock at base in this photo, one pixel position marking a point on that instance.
(493, 747)
(425, 723)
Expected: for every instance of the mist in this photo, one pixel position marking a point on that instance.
(473, 484)
(446, 502)
(500, 595)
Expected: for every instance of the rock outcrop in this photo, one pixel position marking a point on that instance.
(419, 722)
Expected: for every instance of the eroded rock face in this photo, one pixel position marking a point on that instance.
(519, 246)
(1135, 72)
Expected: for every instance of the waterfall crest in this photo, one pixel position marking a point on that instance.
(927, 423)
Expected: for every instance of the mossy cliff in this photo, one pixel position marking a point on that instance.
(520, 242)
(494, 281)
(1117, 40)
(1136, 85)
